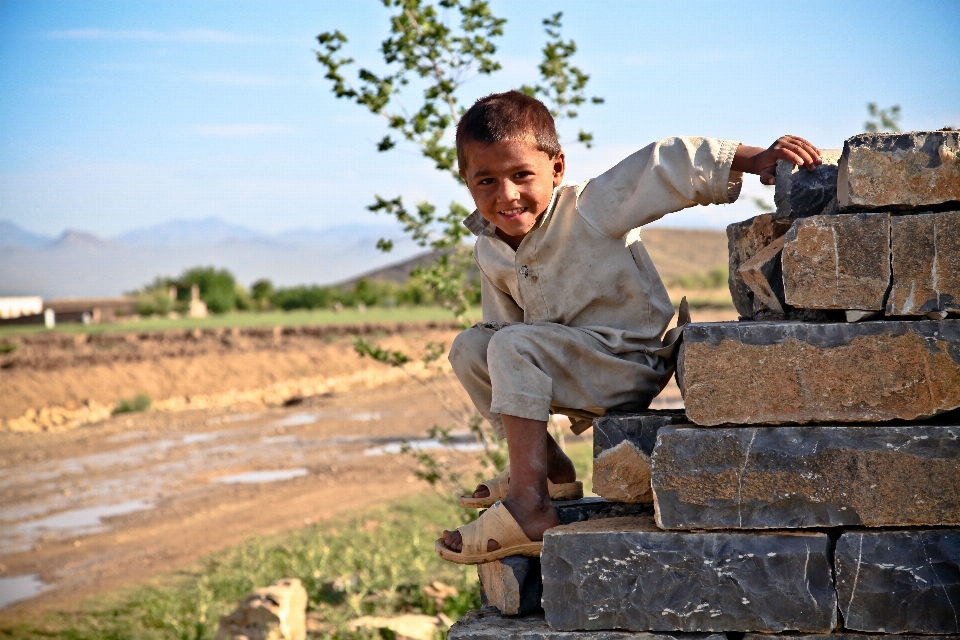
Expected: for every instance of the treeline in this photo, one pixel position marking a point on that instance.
(221, 292)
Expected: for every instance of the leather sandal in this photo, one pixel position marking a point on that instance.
(496, 523)
(497, 486)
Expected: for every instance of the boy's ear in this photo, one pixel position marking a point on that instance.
(559, 166)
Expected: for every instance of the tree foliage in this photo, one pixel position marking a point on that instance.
(882, 119)
(435, 47)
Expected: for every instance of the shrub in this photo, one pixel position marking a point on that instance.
(140, 402)
(217, 287)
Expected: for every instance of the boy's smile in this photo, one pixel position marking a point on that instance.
(511, 183)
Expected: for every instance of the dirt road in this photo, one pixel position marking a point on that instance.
(85, 509)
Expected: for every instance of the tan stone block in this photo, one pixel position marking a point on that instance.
(762, 274)
(780, 372)
(512, 585)
(277, 612)
(926, 264)
(838, 262)
(899, 171)
(622, 474)
(744, 240)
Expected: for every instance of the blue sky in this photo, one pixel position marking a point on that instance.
(118, 115)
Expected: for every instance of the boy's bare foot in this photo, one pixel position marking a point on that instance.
(533, 519)
(560, 469)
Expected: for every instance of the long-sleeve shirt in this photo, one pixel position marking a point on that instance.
(583, 265)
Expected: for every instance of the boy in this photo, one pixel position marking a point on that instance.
(573, 309)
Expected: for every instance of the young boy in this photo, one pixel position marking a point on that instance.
(573, 308)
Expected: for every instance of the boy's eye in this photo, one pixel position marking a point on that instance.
(486, 181)
(523, 174)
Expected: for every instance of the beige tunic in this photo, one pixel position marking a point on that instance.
(583, 273)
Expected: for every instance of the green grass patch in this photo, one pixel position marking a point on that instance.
(302, 317)
(140, 402)
(378, 562)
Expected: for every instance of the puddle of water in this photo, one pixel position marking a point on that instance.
(366, 416)
(73, 523)
(421, 445)
(17, 588)
(191, 438)
(253, 477)
(279, 439)
(297, 419)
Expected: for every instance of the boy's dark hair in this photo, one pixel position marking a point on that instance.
(507, 116)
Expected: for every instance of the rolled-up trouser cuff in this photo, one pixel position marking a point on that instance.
(521, 405)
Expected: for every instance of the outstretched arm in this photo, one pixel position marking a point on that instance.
(764, 161)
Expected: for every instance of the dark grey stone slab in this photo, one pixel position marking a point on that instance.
(584, 509)
(843, 635)
(624, 573)
(837, 262)
(789, 477)
(899, 581)
(786, 372)
(800, 193)
(925, 251)
(637, 428)
(512, 585)
(919, 170)
(488, 624)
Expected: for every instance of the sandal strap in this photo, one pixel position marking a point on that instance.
(496, 523)
(497, 485)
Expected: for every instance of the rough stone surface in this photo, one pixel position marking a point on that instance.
(622, 444)
(512, 585)
(800, 193)
(277, 612)
(838, 262)
(900, 171)
(900, 581)
(624, 573)
(770, 372)
(926, 264)
(488, 624)
(841, 635)
(744, 240)
(571, 511)
(763, 275)
(788, 477)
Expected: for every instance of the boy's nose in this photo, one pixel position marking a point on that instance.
(508, 191)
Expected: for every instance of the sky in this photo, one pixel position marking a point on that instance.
(121, 115)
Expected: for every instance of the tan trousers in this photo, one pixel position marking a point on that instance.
(527, 370)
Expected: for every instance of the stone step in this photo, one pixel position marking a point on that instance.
(489, 624)
(791, 372)
(622, 444)
(899, 171)
(514, 585)
(625, 573)
(900, 581)
(823, 476)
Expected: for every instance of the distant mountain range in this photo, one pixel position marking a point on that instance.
(79, 263)
(180, 232)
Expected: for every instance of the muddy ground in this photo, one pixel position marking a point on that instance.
(87, 507)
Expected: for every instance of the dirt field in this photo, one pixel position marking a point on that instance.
(89, 507)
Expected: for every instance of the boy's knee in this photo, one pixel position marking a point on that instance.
(468, 348)
(508, 341)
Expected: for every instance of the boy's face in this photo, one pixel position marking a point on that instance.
(511, 183)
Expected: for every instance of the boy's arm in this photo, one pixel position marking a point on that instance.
(497, 306)
(676, 173)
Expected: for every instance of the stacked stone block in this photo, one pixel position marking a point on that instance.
(811, 489)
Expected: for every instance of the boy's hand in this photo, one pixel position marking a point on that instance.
(764, 161)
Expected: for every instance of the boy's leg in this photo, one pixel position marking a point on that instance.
(468, 356)
(528, 500)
